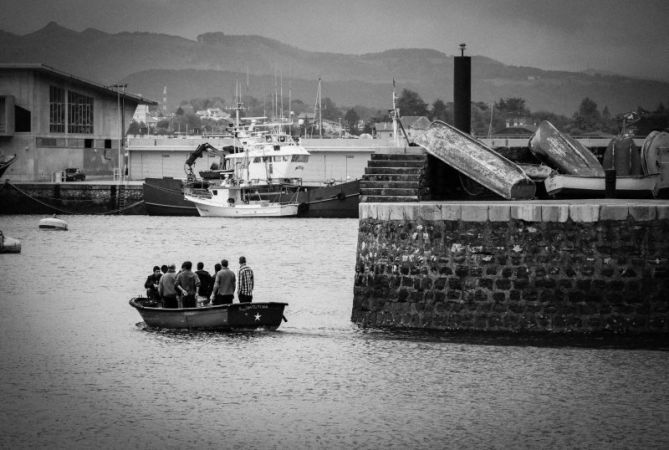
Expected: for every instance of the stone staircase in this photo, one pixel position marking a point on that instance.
(395, 177)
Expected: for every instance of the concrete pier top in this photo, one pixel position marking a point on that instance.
(591, 210)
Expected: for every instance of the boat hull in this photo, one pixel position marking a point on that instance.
(52, 223)
(210, 208)
(236, 316)
(165, 197)
(337, 201)
(655, 155)
(477, 161)
(569, 186)
(564, 153)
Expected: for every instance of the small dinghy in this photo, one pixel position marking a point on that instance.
(53, 223)
(9, 245)
(235, 316)
(564, 153)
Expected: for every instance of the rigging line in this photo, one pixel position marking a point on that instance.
(69, 212)
(62, 211)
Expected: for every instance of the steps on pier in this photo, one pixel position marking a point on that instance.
(395, 177)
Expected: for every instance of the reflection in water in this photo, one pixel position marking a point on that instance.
(77, 372)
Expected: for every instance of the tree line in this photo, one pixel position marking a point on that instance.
(486, 118)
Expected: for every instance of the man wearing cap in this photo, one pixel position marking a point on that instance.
(167, 289)
(245, 294)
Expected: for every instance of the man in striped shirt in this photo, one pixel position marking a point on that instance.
(245, 293)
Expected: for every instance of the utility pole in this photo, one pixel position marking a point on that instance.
(120, 106)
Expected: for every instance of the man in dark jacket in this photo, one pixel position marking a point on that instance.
(151, 284)
(187, 283)
(206, 282)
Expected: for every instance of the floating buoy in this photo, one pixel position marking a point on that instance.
(53, 223)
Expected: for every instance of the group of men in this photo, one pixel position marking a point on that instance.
(169, 288)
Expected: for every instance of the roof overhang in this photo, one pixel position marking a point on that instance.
(108, 90)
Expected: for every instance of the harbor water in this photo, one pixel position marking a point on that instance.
(78, 369)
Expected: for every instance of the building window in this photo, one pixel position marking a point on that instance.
(21, 119)
(80, 117)
(56, 109)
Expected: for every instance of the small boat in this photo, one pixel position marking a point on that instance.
(235, 316)
(631, 186)
(231, 202)
(653, 163)
(5, 163)
(165, 197)
(53, 223)
(9, 245)
(563, 152)
(477, 161)
(261, 180)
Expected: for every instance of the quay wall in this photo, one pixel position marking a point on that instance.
(578, 268)
(71, 198)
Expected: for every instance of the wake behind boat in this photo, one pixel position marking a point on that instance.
(235, 316)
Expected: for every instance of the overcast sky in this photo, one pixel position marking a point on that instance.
(629, 37)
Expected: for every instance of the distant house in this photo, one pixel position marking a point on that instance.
(215, 114)
(383, 130)
(521, 122)
(54, 120)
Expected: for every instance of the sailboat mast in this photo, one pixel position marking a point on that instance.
(395, 116)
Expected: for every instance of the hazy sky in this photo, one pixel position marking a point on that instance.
(630, 37)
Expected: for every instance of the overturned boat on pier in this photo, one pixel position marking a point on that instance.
(477, 161)
(563, 152)
(637, 173)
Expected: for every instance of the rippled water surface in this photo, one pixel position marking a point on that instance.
(78, 372)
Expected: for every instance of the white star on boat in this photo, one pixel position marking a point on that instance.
(257, 317)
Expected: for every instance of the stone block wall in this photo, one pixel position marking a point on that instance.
(586, 267)
(70, 198)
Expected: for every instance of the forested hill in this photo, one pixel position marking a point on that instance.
(214, 62)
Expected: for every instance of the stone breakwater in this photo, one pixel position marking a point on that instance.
(561, 267)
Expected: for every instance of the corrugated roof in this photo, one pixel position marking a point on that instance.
(38, 67)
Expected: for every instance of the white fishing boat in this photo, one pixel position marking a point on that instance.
(262, 179)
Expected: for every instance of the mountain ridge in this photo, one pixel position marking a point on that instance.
(148, 61)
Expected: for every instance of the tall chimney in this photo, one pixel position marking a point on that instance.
(462, 91)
